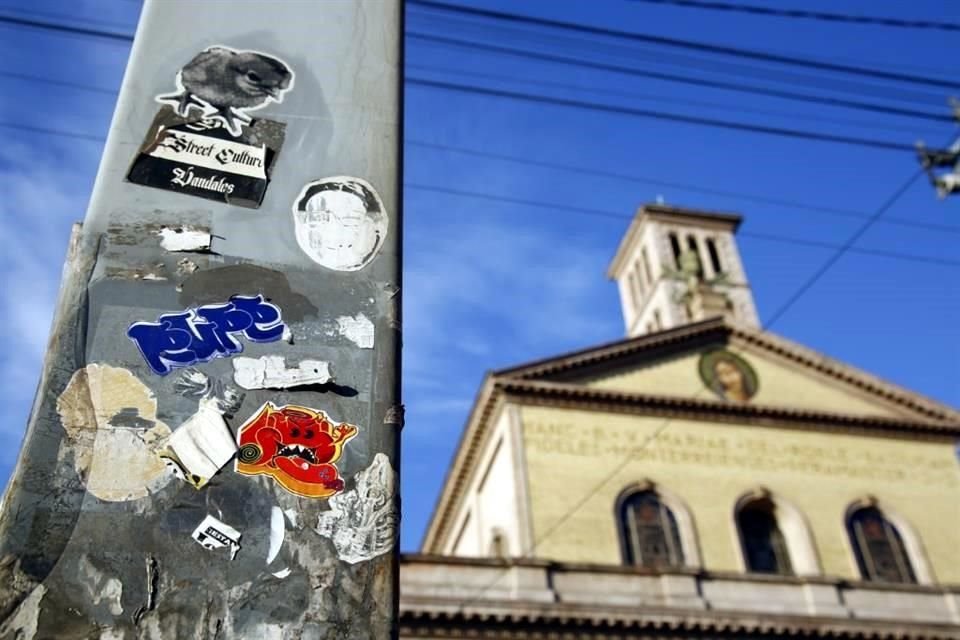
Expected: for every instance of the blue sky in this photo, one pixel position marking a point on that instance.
(490, 283)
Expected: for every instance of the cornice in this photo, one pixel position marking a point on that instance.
(510, 619)
(679, 407)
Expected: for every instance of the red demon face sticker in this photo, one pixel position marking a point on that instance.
(295, 445)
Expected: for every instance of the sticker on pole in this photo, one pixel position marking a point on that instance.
(204, 142)
(296, 446)
(213, 534)
(340, 222)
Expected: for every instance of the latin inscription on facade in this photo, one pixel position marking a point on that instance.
(736, 451)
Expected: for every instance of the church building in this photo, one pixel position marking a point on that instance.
(701, 478)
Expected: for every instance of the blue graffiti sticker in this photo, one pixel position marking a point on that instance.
(207, 332)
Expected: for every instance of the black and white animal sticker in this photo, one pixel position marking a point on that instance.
(224, 84)
(340, 222)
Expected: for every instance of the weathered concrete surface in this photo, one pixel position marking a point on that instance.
(95, 534)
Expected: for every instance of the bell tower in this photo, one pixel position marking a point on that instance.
(677, 265)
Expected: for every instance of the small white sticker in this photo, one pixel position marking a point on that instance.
(271, 372)
(213, 534)
(201, 446)
(357, 329)
(362, 523)
(340, 222)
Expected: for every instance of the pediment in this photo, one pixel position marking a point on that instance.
(735, 365)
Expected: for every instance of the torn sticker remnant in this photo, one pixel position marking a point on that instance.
(201, 446)
(357, 329)
(213, 534)
(184, 238)
(271, 372)
(199, 335)
(296, 446)
(362, 522)
(110, 420)
(340, 222)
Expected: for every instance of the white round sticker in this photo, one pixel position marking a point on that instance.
(340, 222)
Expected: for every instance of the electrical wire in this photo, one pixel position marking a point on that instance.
(808, 15)
(504, 16)
(793, 115)
(602, 213)
(662, 115)
(63, 28)
(583, 47)
(586, 171)
(670, 77)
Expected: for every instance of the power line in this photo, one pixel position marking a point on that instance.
(463, 26)
(62, 28)
(602, 213)
(52, 132)
(683, 44)
(58, 83)
(670, 77)
(809, 15)
(779, 202)
(661, 115)
(659, 98)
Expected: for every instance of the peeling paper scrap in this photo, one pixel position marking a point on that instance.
(357, 329)
(201, 446)
(277, 531)
(213, 534)
(271, 372)
(362, 522)
(184, 239)
(283, 573)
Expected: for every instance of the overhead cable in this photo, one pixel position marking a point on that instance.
(670, 77)
(806, 14)
(681, 44)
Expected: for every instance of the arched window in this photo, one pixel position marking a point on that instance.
(764, 546)
(878, 547)
(651, 537)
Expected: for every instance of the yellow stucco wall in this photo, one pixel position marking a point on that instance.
(780, 385)
(710, 465)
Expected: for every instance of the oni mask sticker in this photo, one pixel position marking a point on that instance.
(203, 142)
(340, 222)
(296, 446)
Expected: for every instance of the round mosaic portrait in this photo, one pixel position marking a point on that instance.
(728, 375)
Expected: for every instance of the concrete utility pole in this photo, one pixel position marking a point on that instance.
(213, 450)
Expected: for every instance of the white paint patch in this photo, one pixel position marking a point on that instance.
(283, 573)
(201, 446)
(185, 239)
(100, 587)
(213, 534)
(362, 523)
(287, 335)
(271, 372)
(117, 463)
(294, 517)
(340, 222)
(277, 531)
(357, 329)
(22, 625)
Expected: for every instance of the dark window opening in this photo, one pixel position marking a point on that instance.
(714, 256)
(764, 547)
(675, 248)
(650, 533)
(878, 547)
(646, 266)
(693, 246)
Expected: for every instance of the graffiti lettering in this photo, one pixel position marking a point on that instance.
(211, 331)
